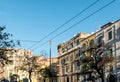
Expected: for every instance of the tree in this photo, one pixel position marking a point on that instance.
(44, 73)
(29, 65)
(95, 63)
(47, 73)
(6, 45)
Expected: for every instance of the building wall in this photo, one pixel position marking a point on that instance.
(68, 53)
(18, 57)
(117, 45)
(114, 42)
(45, 62)
(109, 33)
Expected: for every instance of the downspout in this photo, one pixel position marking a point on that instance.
(114, 34)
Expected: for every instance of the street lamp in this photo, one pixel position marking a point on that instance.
(50, 60)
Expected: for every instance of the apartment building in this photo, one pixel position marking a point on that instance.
(18, 57)
(70, 68)
(85, 55)
(68, 56)
(45, 62)
(109, 33)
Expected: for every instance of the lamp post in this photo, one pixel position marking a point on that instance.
(50, 60)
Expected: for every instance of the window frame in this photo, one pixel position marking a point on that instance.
(109, 35)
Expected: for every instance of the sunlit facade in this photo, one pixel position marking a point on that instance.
(68, 55)
(86, 44)
(70, 69)
(110, 34)
(43, 63)
(18, 57)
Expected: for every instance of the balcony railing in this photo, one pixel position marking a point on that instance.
(69, 50)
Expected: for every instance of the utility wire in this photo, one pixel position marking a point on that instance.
(30, 41)
(64, 23)
(83, 19)
(76, 23)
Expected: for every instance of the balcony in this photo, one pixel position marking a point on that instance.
(70, 50)
(66, 63)
(77, 59)
(76, 69)
(85, 59)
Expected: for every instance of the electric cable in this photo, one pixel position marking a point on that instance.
(76, 23)
(64, 23)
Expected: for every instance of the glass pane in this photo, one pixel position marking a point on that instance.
(92, 43)
(100, 39)
(109, 35)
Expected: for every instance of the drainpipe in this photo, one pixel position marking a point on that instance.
(114, 34)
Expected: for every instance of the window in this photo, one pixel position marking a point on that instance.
(65, 49)
(63, 61)
(84, 46)
(83, 56)
(109, 52)
(100, 39)
(118, 33)
(71, 78)
(77, 55)
(62, 50)
(77, 66)
(63, 71)
(91, 53)
(72, 68)
(77, 42)
(71, 46)
(58, 62)
(109, 35)
(67, 68)
(71, 58)
(83, 68)
(91, 43)
(67, 58)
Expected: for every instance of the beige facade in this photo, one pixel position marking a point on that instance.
(18, 57)
(45, 62)
(70, 69)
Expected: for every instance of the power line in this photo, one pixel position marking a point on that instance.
(30, 41)
(76, 23)
(64, 23)
(83, 19)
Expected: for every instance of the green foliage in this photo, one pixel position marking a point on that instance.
(5, 44)
(4, 39)
(100, 56)
(44, 72)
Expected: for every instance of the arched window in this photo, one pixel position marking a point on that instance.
(111, 78)
(77, 42)
(84, 46)
(100, 39)
(92, 43)
(83, 56)
(67, 79)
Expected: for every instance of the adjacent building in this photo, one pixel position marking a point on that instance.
(69, 52)
(45, 63)
(17, 56)
(69, 68)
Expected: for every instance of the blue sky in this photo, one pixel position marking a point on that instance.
(34, 19)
